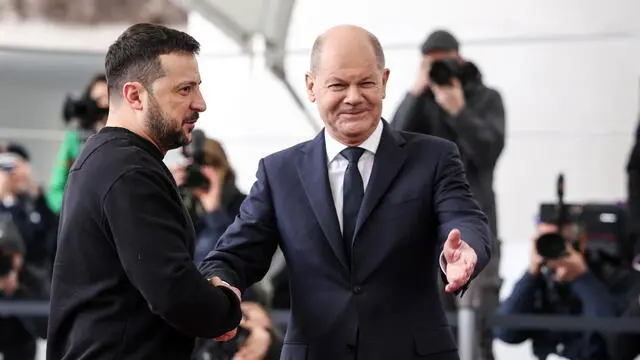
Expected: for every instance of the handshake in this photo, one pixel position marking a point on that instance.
(216, 281)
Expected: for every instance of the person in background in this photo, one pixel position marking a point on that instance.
(87, 115)
(217, 205)
(22, 198)
(633, 197)
(456, 105)
(213, 209)
(19, 281)
(571, 285)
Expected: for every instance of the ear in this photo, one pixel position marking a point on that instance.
(308, 78)
(385, 78)
(132, 93)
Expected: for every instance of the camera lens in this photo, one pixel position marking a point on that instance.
(551, 246)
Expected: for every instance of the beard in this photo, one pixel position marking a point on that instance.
(166, 131)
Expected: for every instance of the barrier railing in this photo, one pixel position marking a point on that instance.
(466, 317)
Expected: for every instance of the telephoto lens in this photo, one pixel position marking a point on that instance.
(551, 246)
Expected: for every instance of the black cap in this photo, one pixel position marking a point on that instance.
(440, 40)
(18, 150)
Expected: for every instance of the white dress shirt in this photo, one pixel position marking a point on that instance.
(337, 166)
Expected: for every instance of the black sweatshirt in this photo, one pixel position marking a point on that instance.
(124, 282)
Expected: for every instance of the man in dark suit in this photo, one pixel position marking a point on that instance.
(361, 213)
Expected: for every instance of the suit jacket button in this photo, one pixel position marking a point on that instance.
(357, 290)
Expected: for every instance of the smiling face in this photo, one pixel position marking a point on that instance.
(174, 101)
(348, 85)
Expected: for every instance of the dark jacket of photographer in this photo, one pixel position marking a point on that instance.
(34, 220)
(478, 130)
(211, 225)
(17, 332)
(586, 296)
(34, 286)
(633, 183)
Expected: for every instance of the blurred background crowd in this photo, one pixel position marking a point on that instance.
(540, 97)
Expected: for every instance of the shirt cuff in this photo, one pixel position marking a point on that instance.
(443, 263)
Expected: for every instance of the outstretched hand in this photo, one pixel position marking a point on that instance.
(460, 260)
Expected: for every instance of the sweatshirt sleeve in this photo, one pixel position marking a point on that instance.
(150, 240)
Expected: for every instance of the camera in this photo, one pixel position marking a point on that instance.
(443, 71)
(85, 110)
(196, 154)
(553, 245)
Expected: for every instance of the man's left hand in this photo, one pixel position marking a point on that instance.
(461, 261)
(450, 98)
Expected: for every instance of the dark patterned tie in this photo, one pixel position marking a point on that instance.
(353, 192)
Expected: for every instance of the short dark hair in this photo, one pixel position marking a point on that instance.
(316, 51)
(134, 56)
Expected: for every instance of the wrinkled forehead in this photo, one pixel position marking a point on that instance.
(179, 67)
(356, 61)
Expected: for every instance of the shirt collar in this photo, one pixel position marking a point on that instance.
(334, 147)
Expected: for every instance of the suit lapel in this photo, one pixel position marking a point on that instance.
(312, 169)
(388, 161)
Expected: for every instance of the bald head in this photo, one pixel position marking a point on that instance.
(346, 37)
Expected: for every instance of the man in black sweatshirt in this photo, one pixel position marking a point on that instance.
(124, 282)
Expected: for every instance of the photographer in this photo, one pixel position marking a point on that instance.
(23, 200)
(19, 281)
(257, 339)
(87, 115)
(568, 285)
(209, 190)
(449, 100)
(210, 193)
(633, 191)
(626, 346)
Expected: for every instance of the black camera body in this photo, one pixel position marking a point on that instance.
(85, 110)
(195, 152)
(443, 71)
(553, 246)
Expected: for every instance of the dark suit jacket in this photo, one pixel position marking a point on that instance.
(384, 303)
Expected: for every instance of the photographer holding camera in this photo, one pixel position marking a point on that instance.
(449, 100)
(22, 198)
(209, 191)
(86, 115)
(208, 185)
(19, 281)
(633, 202)
(562, 279)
